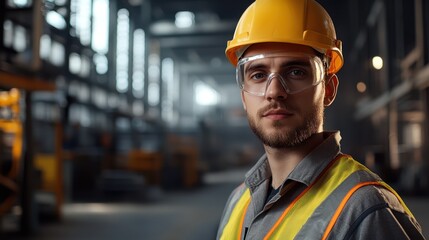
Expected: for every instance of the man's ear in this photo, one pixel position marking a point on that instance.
(243, 100)
(331, 87)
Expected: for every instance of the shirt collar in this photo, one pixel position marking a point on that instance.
(307, 170)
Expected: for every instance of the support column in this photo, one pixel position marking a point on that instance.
(28, 221)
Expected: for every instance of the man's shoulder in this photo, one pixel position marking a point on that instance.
(371, 196)
(238, 191)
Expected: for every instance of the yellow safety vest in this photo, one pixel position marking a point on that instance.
(300, 210)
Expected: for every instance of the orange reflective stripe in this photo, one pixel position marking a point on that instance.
(350, 193)
(234, 226)
(286, 211)
(242, 219)
(343, 204)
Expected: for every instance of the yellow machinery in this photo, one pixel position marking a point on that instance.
(148, 163)
(11, 157)
(183, 158)
(11, 147)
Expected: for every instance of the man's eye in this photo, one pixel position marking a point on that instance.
(258, 76)
(297, 74)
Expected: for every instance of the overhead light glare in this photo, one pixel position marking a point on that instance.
(377, 62)
(361, 87)
(184, 19)
(56, 20)
(205, 95)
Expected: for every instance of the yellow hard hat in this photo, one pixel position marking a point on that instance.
(303, 22)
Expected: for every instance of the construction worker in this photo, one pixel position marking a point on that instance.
(286, 54)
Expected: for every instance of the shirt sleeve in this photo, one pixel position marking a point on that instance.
(378, 214)
(385, 223)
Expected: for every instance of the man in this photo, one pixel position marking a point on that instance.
(286, 54)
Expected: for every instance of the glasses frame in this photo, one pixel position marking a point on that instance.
(319, 65)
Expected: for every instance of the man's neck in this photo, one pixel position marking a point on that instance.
(284, 160)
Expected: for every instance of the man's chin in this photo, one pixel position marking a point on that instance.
(283, 137)
(278, 139)
(279, 128)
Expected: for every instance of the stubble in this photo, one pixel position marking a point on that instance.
(284, 137)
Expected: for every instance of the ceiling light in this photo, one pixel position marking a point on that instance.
(361, 87)
(184, 19)
(377, 62)
(56, 20)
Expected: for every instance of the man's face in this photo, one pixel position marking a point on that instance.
(280, 119)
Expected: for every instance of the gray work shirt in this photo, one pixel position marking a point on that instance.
(371, 213)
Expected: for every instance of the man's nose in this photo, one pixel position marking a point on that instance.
(276, 88)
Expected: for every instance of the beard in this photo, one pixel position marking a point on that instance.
(290, 137)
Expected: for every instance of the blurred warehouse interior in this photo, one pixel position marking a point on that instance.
(102, 96)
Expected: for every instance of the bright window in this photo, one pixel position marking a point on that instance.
(100, 27)
(139, 51)
(205, 95)
(122, 51)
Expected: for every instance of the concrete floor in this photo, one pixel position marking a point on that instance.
(173, 215)
(177, 215)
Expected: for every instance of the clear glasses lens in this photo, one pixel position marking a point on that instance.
(296, 72)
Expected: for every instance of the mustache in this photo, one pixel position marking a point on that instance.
(275, 106)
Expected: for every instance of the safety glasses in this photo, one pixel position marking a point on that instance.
(295, 71)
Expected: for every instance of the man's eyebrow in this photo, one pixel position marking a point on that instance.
(284, 64)
(255, 65)
(295, 62)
